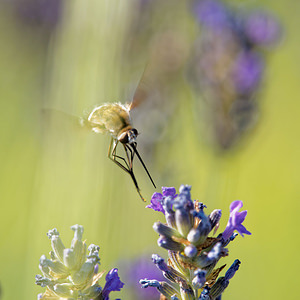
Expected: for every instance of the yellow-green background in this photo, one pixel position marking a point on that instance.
(54, 177)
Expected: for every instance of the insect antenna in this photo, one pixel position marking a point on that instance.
(133, 146)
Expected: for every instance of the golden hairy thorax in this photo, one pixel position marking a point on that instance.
(110, 118)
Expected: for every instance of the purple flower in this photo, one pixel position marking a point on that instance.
(262, 28)
(247, 72)
(157, 198)
(113, 283)
(141, 267)
(186, 237)
(235, 220)
(40, 12)
(211, 13)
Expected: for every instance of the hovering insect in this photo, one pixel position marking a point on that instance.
(114, 118)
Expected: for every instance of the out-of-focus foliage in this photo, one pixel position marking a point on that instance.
(85, 53)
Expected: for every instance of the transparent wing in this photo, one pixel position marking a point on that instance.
(61, 120)
(152, 106)
(145, 87)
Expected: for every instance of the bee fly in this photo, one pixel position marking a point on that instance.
(114, 118)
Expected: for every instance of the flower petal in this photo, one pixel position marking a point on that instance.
(156, 202)
(113, 283)
(235, 220)
(168, 191)
(236, 205)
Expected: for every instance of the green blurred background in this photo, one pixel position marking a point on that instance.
(53, 175)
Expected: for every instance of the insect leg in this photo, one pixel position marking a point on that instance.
(128, 165)
(127, 148)
(113, 157)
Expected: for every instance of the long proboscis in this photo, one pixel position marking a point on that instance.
(136, 184)
(133, 146)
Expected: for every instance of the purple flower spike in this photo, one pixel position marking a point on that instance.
(211, 13)
(157, 198)
(235, 220)
(262, 29)
(248, 71)
(113, 283)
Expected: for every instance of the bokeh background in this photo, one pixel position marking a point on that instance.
(64, 57)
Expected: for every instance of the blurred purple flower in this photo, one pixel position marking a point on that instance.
(228, 66)
(156, 200)
(235, 220)
(39, 12)
(113, 283)
(262, 28)
(211, 13)
(247, 71)
(142, 267)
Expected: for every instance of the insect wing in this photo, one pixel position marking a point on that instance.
(62, 121)
(145, 87)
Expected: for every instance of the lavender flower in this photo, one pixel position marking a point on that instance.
(247, 72)
(228, 65)
(113, 283)
(193, 254)
(262, 28)
(157, 199)
(70, 273)
(41, 13)
(235, 220)
(134, 270)
(211, 13)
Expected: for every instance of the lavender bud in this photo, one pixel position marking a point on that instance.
(212, 256)
(165, 230)
(168, 271)
(56, 243)
(84, 274)
(218, 288)
(169, 244)
(232, 270)
(160, 262)
(215, 217)
(194, 235)
(63, 290)
(190, 250)
(183, 205)
(55, 266)
(183, 222)
(233, 236)
(205, 294)
(199, 279)
(42, 281)
(187, 293)
(69, 258)
(163, 287)
(199, 234)
(92, 292)
(78, 232)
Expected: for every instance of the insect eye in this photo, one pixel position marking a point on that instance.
(123, 138)
(135, 132)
